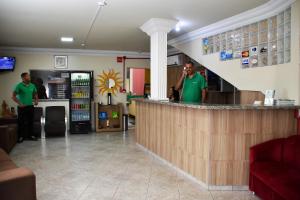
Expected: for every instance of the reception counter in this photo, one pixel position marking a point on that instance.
(210, 143)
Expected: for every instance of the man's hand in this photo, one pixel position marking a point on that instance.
(184, 71)
(180, 81)
(36, 99)
(15, 99)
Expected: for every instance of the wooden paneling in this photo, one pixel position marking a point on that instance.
(211, 145)
(248, 97)
(147, 76)
(173, 75)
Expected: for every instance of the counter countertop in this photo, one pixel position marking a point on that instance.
(52, 100)
(217, 106)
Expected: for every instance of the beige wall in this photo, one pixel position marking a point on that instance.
(284, 78)
(44, 61)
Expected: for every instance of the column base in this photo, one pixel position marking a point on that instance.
(159, 99)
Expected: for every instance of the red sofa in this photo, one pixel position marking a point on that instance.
(275, 169)
(16, 183)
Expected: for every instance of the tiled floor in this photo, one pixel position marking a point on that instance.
(106, 166)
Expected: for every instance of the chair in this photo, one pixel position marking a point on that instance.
(16, 183)
(55, 123)
(37, 121)
(8, 133)
(274, 169)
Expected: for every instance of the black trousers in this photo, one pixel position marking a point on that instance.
(25, 121)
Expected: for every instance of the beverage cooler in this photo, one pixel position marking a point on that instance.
(81, 85)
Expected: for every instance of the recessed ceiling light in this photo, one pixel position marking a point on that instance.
(67, 39)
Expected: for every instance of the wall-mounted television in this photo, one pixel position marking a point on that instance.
(7, 63)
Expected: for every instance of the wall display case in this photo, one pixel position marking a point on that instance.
(272, 36)
(263, 55)
(217, 43)
(223, 42)
(263, 37)
(237, 40)
(211, 45)
(245, 40)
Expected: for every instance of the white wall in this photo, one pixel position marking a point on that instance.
(284, 78)
(26, 61)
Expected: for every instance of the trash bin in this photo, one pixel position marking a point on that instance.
(125, 122)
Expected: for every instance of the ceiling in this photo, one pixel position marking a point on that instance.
(41, 23)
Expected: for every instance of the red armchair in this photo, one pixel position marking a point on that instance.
(275, 169)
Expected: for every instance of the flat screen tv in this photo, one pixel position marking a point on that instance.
(7, 63)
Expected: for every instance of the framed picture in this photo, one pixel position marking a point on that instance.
(61, 62)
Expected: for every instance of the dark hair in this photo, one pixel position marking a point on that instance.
(190, 63)
(39, 81)
(24, 74)
(175, 93)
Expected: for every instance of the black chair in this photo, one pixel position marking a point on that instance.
(55, 124)
(37, 121)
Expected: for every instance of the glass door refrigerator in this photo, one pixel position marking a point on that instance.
(80, 101)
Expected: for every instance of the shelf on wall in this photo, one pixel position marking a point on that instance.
(115, 124)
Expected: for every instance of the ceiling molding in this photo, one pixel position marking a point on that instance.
(55, 51)
(173, 51)
(85, 52)
(269, 9)
(155, 25)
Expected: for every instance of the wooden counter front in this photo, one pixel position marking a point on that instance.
(210, 142)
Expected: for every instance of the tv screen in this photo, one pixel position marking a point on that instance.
(7, 63)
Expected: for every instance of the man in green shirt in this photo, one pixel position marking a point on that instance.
(193, 85)
(23, 94)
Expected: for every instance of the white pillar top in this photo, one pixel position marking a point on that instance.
(154, 25)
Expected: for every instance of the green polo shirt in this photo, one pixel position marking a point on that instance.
(192, 88)
(25, 93)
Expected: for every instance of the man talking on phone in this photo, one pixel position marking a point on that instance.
(193, 85)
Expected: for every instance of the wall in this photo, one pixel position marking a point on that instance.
(45, 61)
(284, 78)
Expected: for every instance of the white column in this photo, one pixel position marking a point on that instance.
(158, 29)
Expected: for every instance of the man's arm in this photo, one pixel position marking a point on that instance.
(180, 81)
(204, 89)
(36, 99)
(35, 96)
(204, 95)
(15, 99)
